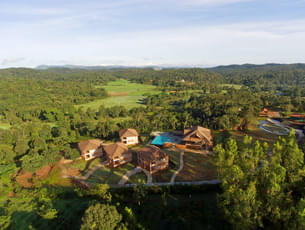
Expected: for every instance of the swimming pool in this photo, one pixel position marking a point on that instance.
(160, 140)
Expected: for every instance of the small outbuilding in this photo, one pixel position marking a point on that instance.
(152, 158)
(90, 149)
(117, 154)
(129, 136)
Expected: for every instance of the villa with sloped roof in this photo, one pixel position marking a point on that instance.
(129, 136)
(90, 149)
(117, 154)
(198, 137)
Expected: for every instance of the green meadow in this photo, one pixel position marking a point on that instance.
(122, 92)
(235, 86)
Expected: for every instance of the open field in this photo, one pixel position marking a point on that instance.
(197, 167)
(123, 87)
(122, 92)
(235, 86)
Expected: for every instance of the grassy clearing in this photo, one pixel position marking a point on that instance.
(4, 125)
(122, 92)
(127, 101)
(125, 87)
(78, 164)
(235, 86)
(174, 163)
(197, 167)
(110, 175)
(55, 178)
(84, 166)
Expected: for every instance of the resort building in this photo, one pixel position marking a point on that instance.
(152, 158)
(90, 149)
(117, 154)
(129, 136)
(269, 113)
(198, 137)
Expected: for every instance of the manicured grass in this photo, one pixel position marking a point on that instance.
(125, 87)
(174, 164)
(197, 167)
(137, 178)
(127, 101)
(122, 92)
(4, 125)
(107, 175)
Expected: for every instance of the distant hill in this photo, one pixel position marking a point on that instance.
(269, 66)
(106, 67)
(267, 76)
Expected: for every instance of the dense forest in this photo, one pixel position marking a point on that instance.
(262, 186)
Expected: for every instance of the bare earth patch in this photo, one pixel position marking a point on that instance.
(117, 94)
(25, 179)
(43, 172)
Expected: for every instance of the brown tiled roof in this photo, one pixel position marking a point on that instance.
(128, 133)
(85, 146)
(151, 153)
(115, 149)
(269, 113)
(203, 134)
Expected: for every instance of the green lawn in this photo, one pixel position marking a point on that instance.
(110, 175)
(122, 92)
(235, 86)
(197, 167)
(137, 178)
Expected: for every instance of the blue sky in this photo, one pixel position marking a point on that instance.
(151, 32)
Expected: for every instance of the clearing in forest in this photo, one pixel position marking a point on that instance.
(4, 125)
(122, 92)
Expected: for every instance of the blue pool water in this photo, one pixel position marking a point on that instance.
(160, 140)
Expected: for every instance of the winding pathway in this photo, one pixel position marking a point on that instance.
(134, 171)
(179, 170)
